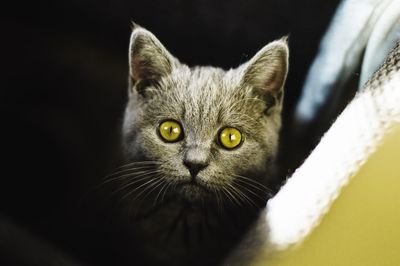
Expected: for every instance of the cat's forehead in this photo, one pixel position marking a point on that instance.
(203, 85)
(205, 98)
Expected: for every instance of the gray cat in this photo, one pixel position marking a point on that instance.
(199, 143)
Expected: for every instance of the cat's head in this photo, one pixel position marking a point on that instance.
(201, 132)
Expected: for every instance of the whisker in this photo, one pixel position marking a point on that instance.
(219, 200)
(126, 173)
(252, 192)
(226, 196)
(132, 175)
(137, 179)
(128, 170)
(255, 182)
(264, 191)
(111, 178)
(166, 183)
(242, 195)
(153, 186)
(135, 175)
(150, 188)
(170, 184)
(138, 163)
(154, 179)
(233, 197)
(132, 183)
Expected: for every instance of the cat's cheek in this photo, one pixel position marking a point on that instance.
(229, 162)
(253, 157)
(150, 144)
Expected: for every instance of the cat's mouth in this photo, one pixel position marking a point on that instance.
(193, 191)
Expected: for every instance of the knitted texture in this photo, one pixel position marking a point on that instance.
(307, 196)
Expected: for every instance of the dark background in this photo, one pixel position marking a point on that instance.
(64, 79)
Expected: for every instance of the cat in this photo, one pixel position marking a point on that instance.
(199, 144)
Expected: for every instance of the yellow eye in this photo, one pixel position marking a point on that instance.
(230, 137)
(170, 131)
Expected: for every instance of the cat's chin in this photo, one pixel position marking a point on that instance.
(193, 192)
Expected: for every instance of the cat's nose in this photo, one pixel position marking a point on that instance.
(194, 166)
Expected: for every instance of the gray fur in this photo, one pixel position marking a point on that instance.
(204, 100)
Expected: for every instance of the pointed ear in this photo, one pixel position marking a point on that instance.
(266, 72)
(149, 61)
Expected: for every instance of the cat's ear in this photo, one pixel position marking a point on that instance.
(266, 72)
(149, 61)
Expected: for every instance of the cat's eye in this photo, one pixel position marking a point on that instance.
(230, 137)
(170, 131)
